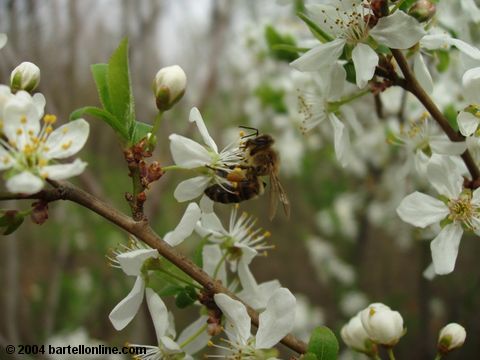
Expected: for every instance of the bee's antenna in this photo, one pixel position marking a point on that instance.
(249, 128)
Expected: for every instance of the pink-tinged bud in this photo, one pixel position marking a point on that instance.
(452, 336)
(25, 76)
(383, 325)
(422, 10)
(169, 86)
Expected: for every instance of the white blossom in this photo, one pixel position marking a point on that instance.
(349, 24)
(460, 209)
(30, 150)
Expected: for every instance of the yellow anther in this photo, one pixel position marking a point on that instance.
(42, 162)
(23, 119)
(267, 234)
(236, 206)
(48, 129)
(242, 133)
(65, 130)
(30, 132)
(19, 132)
(210, 343)
(49, 119)
(371, 312)
(66, 145)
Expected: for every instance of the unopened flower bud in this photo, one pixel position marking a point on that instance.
(169, 86)
(25, 76)
(452, 336)
(422, 10)
(355, 336)
(383, 325)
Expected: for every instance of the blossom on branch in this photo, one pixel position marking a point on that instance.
(29, 150)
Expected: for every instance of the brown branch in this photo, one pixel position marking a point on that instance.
(412, 85)
(141, 230)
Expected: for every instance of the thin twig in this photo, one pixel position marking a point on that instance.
(141, 230)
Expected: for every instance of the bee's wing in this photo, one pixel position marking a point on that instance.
(277, 192)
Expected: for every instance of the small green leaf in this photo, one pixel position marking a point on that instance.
(443, 60)
(351, 73)
(10, 221)
(170, 290)
(406, 5)
(274, 38)
(119, 86)
(99, 72)
(451, 114)
(271, 97)
(323, 344)
(197, 257)
(185, 298)
(104, 115)
(140, 130)
(309, 356)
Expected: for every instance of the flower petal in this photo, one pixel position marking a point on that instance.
(63, 171)
(365, 60)
(191, 188)
(21, 119)
(6, 160)
(187, 153)
(125, 311)
(212, 260)
(277, 320)
(200, 340)
(421, 210)
(24, 183)
(471, 85)
(3, 40)
(442, 145)
(170, 346)
(67, 140)
(341, 140)
(196, 117)
(397, 31)
(321, 56)
(238, 324)
(467, 123)
(131, 262)
(445, 248)
(185, 227)
(421, 72)
(445, 176)
(158, 312)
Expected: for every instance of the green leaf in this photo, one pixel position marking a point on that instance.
(309, 356)
(406, 5)
(119, 86)
(271, 97)
(99, 72)
(274, 38)
(185, 298)
(170, 290)
(140, 130)
(197, 256)
(443, 57)
(323, 344)
(450, 113)
(351, 73)
(104, 115)
(10, 221)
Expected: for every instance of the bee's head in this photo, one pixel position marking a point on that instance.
(261, 141)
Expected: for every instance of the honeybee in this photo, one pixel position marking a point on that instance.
(245, 182)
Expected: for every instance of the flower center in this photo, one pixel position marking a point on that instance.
(463, 210)
(350, 22)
